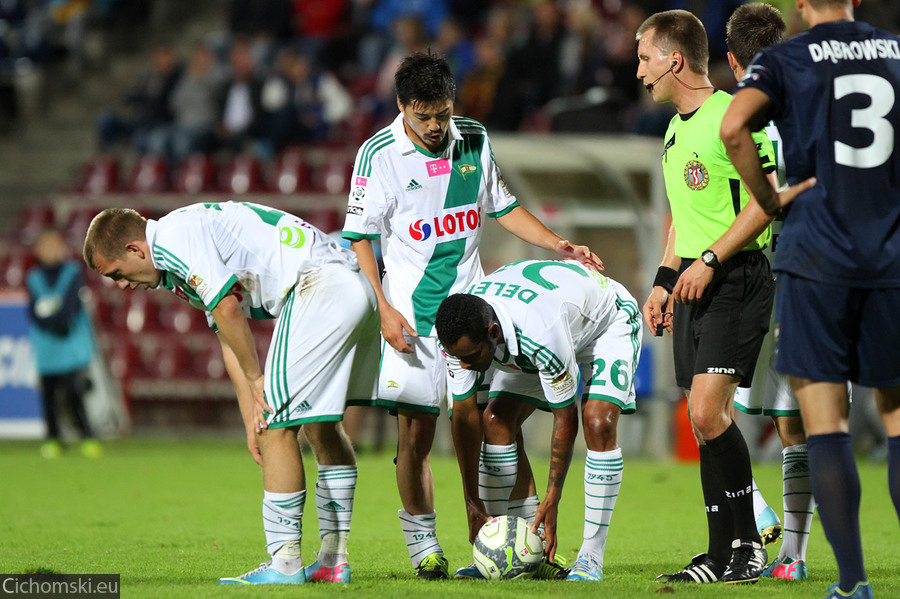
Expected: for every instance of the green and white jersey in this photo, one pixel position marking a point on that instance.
(552, 314)
(428, 211)
(257, 253)
(704, 189)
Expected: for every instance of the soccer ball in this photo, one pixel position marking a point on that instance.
(506, 548)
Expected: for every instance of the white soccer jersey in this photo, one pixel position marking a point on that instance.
(428, 210)
(552, 314)
(255, 252)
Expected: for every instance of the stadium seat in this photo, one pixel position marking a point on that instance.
(150, 175)
(243, 174)
(333, 175)
(291, 173)
(99, 176)
(143, 314)
(197, 174)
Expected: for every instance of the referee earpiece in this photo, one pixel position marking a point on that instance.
(674, 63)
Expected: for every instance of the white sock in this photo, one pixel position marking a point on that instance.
(497, 471)
(282, 513)
(420, 533)
(524, 508)
(798, 502)
(759, 502)
(602, 481)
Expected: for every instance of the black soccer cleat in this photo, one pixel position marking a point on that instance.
(701, 570)
(748, 560)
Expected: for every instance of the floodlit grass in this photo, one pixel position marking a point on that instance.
(172, 516)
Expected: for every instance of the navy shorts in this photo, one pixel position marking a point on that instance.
(724, 333)
(833, 333)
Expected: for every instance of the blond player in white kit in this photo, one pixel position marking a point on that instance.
(424, 186)
(237, 261)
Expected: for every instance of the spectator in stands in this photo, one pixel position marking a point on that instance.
(146, 105)
(453, 43)
(300, 102)
(265, 24)
(317, 24)
(410, 37)
(194, 107)
(61, 339)
(478, 89)
(240, 101)
(383, 31)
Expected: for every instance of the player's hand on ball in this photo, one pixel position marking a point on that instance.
(478, 516)
(546, 514)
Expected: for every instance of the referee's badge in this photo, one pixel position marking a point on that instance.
(695, 175)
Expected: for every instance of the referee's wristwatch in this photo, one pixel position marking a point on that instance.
(710, 259)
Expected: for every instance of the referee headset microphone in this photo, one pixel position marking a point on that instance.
(649, 86)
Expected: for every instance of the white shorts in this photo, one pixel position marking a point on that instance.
(769, 396)
(416, 381)
(324, 349)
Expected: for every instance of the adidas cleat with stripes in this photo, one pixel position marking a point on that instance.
(701, 570)
(319, 573)
(555, 570)
(769, 526)
(748, 560)
(266, 574)
(470, 572)
(586, 568)
(434, 567)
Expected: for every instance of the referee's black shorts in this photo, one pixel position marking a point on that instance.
(723, 333)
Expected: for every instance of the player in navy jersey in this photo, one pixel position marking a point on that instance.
(831, 92)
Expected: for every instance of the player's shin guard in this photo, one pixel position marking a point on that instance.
(420, 533)
(335, 489)
(602, 481)
(282, 513)
(798, 502)
(497, 471)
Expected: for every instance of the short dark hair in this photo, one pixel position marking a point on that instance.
(110, 231)
(682, 31)
(461, 315)
(751, 28)
(424, 77)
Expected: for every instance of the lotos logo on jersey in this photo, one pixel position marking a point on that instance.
(420, 230)
(695, 175)
(292, 236)
(457, 224)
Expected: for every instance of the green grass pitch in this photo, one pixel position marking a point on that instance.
(172, 516)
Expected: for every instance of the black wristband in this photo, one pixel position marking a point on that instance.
(666, 278)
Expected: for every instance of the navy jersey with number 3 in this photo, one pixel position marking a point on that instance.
(835, 98)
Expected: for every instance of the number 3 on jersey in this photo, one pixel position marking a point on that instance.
(881, 96)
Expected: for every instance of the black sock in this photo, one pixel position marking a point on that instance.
(894, 471)
(718, 513)
(730, 460)
(836, 489)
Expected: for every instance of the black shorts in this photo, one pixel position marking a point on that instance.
(723, 334)
(830, 332)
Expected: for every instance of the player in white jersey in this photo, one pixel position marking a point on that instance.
(237, 261)
(424, 186)
(556, 331)
(751, 28)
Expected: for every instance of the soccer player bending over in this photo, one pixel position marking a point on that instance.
(237, 261)
(557, 336)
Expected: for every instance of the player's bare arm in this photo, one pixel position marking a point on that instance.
(468, 432)
(658, 307)
(565, 428)
(745, 114)
(250, 412)
(527, 227)
(393, 324)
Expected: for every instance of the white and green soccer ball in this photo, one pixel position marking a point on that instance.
(506, 548)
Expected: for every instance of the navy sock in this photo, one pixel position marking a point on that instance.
(730, 460)
(836, 489)
(894, 471)
(718, 513)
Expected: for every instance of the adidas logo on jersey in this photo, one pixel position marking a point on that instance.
(334, 506)
(413, 185)
(798, 468)
(303, 407)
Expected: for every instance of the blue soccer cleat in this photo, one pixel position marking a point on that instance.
(862, 590)
(586, 568)
(786, 569)
(470, 572)
(769, 526)
(266, 574)
(316, 572)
